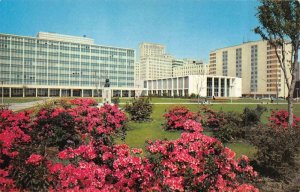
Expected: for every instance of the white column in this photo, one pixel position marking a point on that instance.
(213, 87)
(82, 92)
(36, 92)
(177, 83)
(59, 92)
(225, 87)
(219, 91)
(48, 92)
(92, 92)
(9, 92)
(71, 92)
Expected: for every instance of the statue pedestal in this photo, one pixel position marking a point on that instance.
(106, 95)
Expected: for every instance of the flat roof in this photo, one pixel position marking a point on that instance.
(36, 38)
(236, 45)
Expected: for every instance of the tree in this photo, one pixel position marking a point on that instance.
(201, 82)
(280, 26)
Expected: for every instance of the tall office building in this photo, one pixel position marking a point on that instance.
(256, 63)
(151, 49)
(154, 67)
(154, 63)
(61, 65)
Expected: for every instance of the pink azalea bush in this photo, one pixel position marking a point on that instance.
(177, 116)
(280, 119)
(84, 102)
(196, 162)
(73, 150)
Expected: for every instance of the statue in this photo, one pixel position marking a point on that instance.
(106, 92)
(107, 84)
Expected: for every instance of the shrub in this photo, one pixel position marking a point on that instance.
(177, 116)
(277, 146)
(54, 128)
(139, 109)
(193, 95)
(196, 162)
(115, 100)
(252, 116)
(226, 133)
(226, 126)
(51, 104)
(231, 127)
(25, 141)
(84, 102)
(280, 119)
(213, 119)
(276, 150)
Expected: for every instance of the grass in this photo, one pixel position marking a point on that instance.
(242, 148)
(138, 133)
(194, 100)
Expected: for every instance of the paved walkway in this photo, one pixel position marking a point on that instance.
(21, 106)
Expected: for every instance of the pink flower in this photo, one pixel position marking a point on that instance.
(34, 159)
(136, 151)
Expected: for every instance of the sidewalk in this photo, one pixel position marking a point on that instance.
(21, 106)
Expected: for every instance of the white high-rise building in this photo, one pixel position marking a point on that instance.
(154, 63)
(151, 49)
(154, 67)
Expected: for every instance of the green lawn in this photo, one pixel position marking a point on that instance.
(138, 133)
(218, 100)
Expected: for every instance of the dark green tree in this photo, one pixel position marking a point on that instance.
(280, 26)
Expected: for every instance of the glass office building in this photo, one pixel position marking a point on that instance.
(60, 65)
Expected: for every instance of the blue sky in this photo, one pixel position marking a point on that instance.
(189, 28)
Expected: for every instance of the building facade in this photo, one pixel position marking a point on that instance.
(154, 67)
(190, 67)
(297, 85)
(62, 65)
(177, 62)
(151, 49)
(153, 62)
(204, 85)
(256, 63)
